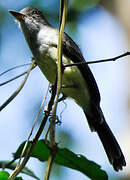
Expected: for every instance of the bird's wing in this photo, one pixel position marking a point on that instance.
(72, 51)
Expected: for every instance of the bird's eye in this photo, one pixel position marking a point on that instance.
(34, 12)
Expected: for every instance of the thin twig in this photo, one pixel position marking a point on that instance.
(50, 163)
(19, 66)
(48, 167)
(9, 163)
(19, 168)
(99, 61)
(19, 88)
(35, 121)
(68, 65)
(14, 78)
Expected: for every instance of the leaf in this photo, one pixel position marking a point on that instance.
(66, 158)
(12, 166)
(4, 175)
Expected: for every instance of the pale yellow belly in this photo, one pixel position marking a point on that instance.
(74, 84)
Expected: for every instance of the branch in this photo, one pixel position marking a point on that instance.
(40, 130)
(16, 77)
(35, 121)
(33, 65)
(99, 61)
(19, 66)
(50, 163)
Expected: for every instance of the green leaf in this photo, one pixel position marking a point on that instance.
(4, 175)
(12, 166)
(66, 158)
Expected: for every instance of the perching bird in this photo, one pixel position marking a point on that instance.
(78, 81)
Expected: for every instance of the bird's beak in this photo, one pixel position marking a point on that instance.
(17, 15)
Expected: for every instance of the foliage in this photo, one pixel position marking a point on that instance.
(66, 158)
(4, 176)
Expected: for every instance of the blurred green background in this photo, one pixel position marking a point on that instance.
(101, 29)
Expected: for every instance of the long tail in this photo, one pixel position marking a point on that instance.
(108, 140)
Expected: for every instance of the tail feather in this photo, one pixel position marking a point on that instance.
(108, 140)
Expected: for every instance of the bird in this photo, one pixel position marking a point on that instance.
(78, 82)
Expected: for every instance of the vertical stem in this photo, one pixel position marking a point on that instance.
(53, 145)
(50, 163)
(59, 71)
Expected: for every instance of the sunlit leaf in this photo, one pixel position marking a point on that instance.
(4, 175)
